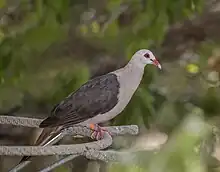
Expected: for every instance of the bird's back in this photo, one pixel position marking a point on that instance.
(97, 96)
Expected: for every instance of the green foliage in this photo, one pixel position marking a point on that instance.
(178, 155)
(125, 168)
(2, 3)
(50, 48)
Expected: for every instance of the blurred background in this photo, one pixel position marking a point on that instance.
(49, 48)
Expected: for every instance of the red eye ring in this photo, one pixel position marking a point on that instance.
(147, 55)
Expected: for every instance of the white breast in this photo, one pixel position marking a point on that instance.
(129, 79)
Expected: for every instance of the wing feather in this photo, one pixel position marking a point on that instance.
(97, 96)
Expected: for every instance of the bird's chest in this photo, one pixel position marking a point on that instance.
(128, 86)
(127, 90)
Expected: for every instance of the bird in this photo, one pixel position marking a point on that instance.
(98, 100)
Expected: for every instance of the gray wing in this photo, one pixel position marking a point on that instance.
(97, 96)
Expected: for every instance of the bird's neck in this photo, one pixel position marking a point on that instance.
(134, 71)
(131, 74)
(136, 63)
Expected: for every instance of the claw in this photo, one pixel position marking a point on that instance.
(98, 132)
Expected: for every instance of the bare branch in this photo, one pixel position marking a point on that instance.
(75, 150)
(55, 150)
(20, 121)
(90, 150)
(61, 149)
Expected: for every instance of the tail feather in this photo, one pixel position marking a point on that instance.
(25, 158)
(47, 137)
(49, 122)
(50, 135)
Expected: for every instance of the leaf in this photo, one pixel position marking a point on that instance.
(83, 29)
(166, 115)
(192, 68)
(39, 8)
(117, 167)
(61, 168)
(57, 5)
(147, 100)
(113, 4)
(95, 27)
(112, 30)
(2, 3)
(40, 37)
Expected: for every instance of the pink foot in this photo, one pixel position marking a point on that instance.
(98, 132)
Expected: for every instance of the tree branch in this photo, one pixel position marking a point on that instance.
(56, 150)
(86, 149)
(20, 121)
(61, 149)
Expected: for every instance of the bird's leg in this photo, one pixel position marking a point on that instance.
(98, 132)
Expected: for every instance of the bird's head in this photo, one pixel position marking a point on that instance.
(144, 57)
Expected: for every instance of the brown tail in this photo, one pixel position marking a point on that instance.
(25, 158)
(47, 137)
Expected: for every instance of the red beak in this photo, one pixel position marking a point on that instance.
(156, 63)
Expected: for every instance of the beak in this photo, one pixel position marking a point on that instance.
(156, 63)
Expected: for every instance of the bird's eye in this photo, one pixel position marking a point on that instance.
(147, 55)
